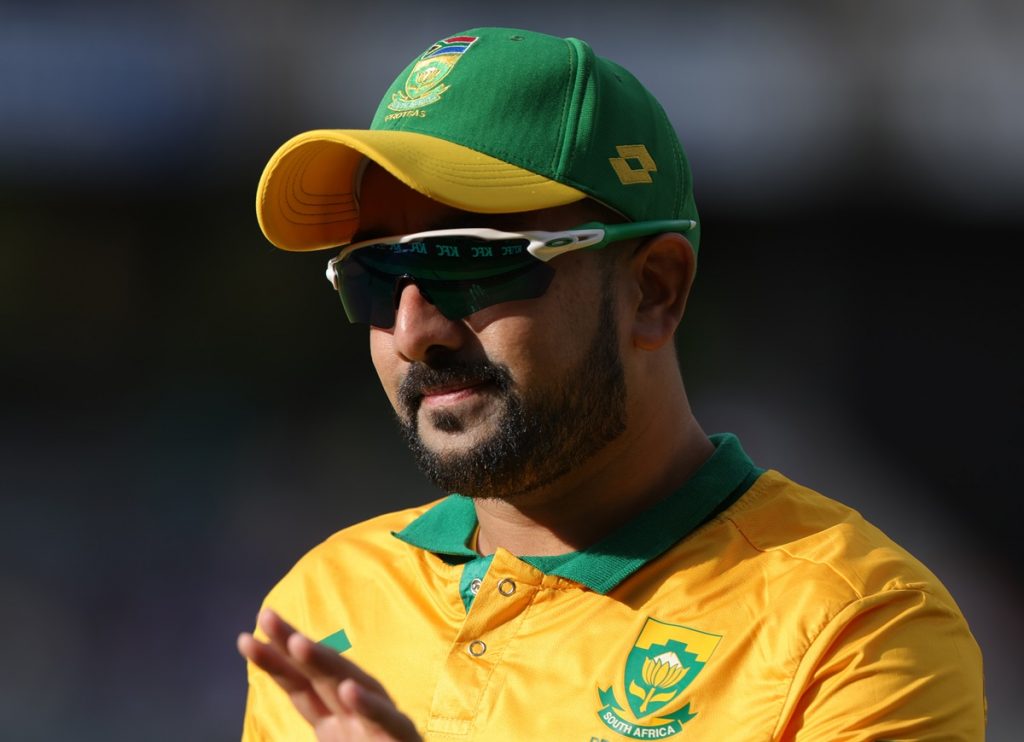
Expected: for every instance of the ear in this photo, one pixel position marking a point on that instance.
(662, 269)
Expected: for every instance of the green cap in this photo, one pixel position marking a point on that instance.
(490, 120)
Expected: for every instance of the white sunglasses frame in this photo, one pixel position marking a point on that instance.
(542, 245)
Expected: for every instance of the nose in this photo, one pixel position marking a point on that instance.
(420, 328)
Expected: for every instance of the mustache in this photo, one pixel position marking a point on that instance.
(421, 376)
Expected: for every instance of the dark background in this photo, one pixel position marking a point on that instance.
(185, 409)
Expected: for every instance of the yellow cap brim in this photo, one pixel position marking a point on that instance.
(308, 195)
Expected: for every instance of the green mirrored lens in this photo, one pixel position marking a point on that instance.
(450, 257)
(459, 275)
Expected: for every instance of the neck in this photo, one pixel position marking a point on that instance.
(662, 447)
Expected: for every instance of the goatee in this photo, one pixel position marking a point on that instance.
(540, 435)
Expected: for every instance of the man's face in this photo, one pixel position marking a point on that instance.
(514, 396)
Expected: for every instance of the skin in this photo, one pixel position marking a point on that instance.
(538, 340)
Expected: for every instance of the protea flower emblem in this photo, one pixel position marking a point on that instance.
(660, 673)
(662, 664)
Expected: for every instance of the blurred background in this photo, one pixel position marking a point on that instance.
(185, 409)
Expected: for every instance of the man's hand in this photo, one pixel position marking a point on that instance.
(333, 694)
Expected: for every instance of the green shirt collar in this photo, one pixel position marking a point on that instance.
(446, 529)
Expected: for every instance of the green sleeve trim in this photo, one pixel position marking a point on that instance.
(338, 641)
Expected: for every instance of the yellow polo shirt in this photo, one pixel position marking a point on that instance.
(742, 607)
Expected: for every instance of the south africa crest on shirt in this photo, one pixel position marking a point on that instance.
(664, 660)
(425, 85)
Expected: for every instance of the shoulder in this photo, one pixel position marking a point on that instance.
(810, 536)
(813, 571)
(851, 615)
(372, 534)
(355, 555)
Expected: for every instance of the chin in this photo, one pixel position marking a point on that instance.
(446, 428)
(443, 443)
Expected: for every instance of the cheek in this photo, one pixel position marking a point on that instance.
(385, 361)
(537, 347)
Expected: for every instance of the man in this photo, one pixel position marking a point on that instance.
(518, 229)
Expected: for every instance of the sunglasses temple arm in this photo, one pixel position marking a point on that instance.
(632, 230)
(593, 236)
(547, 245)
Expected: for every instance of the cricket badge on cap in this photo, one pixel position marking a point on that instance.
(425, 83)
(664, 660)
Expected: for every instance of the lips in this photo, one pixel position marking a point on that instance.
(438, 392)
(454, 386)
(449, 383)
(449, 393)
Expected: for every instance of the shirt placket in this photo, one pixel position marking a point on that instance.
(472, 669)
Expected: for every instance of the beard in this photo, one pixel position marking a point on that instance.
(539, 436)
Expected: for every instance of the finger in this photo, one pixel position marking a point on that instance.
(276, 628)
(322, 668)
(378, 710)
(321, 660)
(315, 659)
(283, 671)
(311, 661)
(269, 659)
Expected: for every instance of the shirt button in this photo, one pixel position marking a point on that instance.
(474, 586)
(507, 587)
(476, 648)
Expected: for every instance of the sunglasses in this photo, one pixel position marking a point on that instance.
(461, 271)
